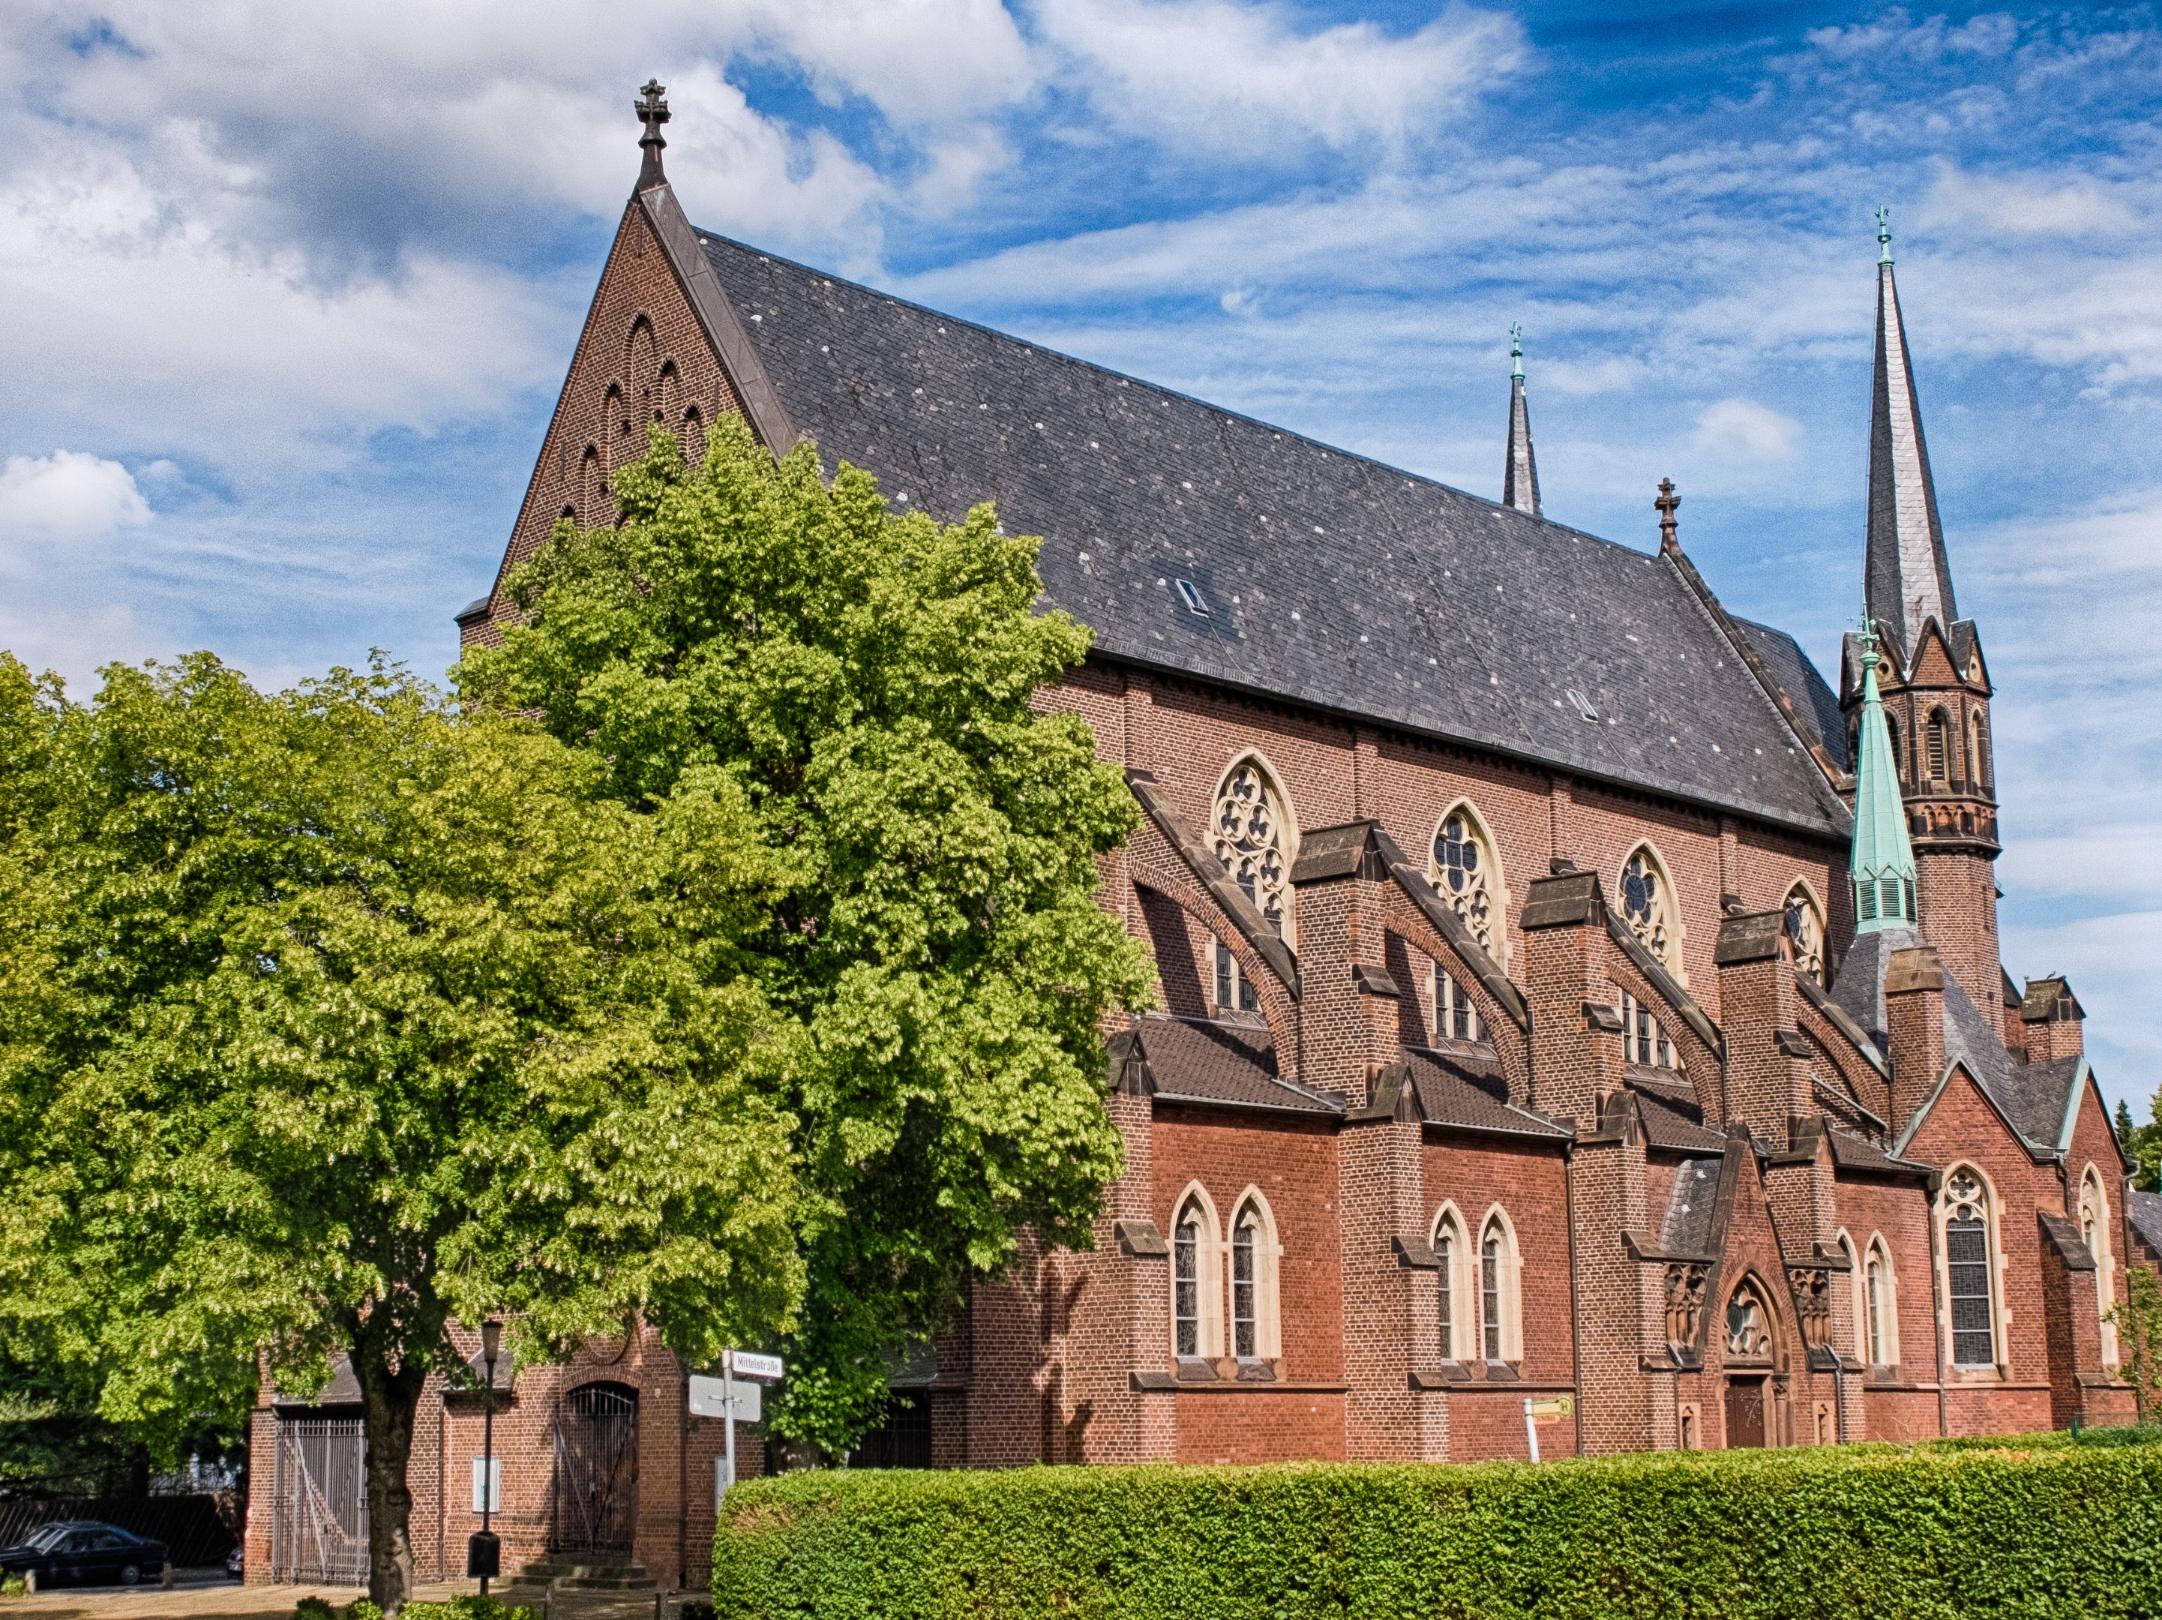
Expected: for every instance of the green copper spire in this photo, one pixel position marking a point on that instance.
(1516, 348)
(1884, 235)
(1882, 861)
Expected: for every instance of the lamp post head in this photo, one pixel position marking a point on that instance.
(491, 1344)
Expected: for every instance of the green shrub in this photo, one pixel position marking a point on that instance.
(314, 1608)
(13, 1586)
(2043, 1529)
(363, 1609)
(468, 1606)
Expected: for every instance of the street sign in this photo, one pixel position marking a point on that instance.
(1560, 1406)
(751, 1364)
(718, 1397)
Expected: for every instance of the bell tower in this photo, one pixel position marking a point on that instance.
(1933, 681)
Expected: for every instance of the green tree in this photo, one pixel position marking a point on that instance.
(2138, 1318)
(861, 681)
(329, 1018)
(2142, 1144)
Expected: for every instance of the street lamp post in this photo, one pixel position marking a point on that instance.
(486, 1555)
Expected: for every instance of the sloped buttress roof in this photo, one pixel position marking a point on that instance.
(1329, 579)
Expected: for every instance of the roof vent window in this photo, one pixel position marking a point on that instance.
(1583, 704)
(1191, 599)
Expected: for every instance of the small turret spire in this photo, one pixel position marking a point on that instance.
(1520, 473)
(1667, 503)
(1909, 576)
(652, 109)
(1881, 863)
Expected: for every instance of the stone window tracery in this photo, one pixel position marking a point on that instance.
(1804, 924)
(1647, 904)
(1969, 1261)
(2094, 1227)
(1501, 1324)
(1255, 1330)
(1749, 1325)
(1452, 1301)
(1455, 1018)
(1881, 1308)
(1465, 872)
(1197, 1279)
(1252, 837)
(1644, 1038)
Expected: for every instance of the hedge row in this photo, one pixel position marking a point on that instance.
(2050, 1529)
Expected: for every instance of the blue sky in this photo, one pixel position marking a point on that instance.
(285, 294)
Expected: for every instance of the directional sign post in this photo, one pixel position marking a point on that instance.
(728, 1400)
(1546, 1411)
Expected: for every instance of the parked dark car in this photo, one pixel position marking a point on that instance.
(80, 1552)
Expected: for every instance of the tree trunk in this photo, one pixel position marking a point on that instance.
(389, 1399)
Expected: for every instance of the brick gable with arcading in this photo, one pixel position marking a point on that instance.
(1588, 1097)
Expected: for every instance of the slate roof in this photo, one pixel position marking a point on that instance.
(2033, 1096)
(2145, 1211)
(1469, 1091)
(1672, 1119)
(1213, 1061)
(1332, 580)
(1815, 703)
(1858, 1153)
(1691, 1205)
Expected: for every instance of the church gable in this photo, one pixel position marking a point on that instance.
(642, 357)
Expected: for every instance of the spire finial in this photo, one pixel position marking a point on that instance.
(1884, 234)
(1666, 504)
(1516, 349)
(652, 109)
(1868, 640)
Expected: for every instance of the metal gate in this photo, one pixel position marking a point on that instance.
(319, 1503)
(596, 1472)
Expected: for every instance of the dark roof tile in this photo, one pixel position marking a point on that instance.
(1210, 1061)
(1470, 1092)
(1332, 580)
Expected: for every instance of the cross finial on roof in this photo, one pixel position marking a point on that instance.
(652, 109)
(1884, 235)
(1666, 504)
(1868, 641)
(1516, 348)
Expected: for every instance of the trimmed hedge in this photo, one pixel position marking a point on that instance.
(2046, 1529)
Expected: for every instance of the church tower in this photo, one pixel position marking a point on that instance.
(1934, 685)
(1520, 474)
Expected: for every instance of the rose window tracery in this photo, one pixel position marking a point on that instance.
(1249, 840)
(1464, 873)
(1646, 905)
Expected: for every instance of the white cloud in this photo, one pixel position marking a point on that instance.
(68, 495)
(1249, 80)
(1741, 430)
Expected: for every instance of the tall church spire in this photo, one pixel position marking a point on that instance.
(1520, 476)
(1908, 578)
(1881, 862)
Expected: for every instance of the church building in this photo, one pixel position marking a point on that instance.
(1581, 1024)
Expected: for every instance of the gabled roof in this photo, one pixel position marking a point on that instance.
(1467, 1091)
(1330, 580)
(1200, 1060)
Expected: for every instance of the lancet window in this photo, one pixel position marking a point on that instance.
(1647, 904)
(1253, 837)
(1466, 873)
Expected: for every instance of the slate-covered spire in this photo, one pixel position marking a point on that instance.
(1520, 476)
(1882, 860)
(1908, 579)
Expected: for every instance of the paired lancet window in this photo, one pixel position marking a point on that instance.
(1478, 1292)
(1647, 906)
(1254, 838)
(1644, 1038)
(1224, 1297)
(1455, 1018)
(1876, 1303)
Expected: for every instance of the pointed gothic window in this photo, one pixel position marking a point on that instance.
(1252, 838)
(1466, 874)
(1749, 1325)
(2094, 1227)
(1647, 905)
(1197, 1279)
(1254, 1326)
(1501, 1322)
(1939, 746)
(1453, 1309)
(1968, 1262)
(1978, 749)
(1899, 760)
(1455, 1018)
(1804, 925)
(1880, 1307)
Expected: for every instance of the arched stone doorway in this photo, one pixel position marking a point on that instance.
(1755, 1364)
(594, 1506)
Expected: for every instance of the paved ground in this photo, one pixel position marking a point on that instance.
(227, 1600)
